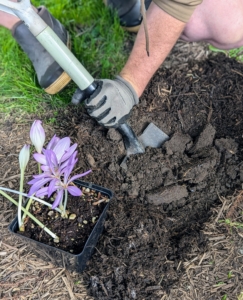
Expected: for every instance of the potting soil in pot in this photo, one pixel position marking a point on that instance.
(72, 230)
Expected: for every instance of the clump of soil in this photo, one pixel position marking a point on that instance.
(72, 230)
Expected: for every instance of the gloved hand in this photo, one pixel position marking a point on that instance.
(111, 102)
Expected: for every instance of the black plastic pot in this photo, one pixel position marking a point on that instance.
(58, 257)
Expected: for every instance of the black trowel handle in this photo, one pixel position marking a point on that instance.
(80, 95)
(130, 139)
(131, 142)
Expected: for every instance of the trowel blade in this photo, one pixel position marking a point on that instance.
(153, 137)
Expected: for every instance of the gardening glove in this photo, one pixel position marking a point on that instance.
(112, 101)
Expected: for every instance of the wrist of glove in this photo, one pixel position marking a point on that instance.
(112, 101)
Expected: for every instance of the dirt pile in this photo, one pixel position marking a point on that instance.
(166, 194)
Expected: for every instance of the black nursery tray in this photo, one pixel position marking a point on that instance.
(61, 258)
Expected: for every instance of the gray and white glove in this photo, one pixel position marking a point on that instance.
(112, 101)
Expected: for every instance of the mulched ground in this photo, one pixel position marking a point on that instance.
(162, 238)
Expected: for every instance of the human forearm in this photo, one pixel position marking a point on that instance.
(163, 31)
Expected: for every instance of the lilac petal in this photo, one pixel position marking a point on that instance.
(37, 135)
(68, 153)
(73, 190)
(52, 187)
(58, 199)
(51, 160)
(71, 161)
(42, 192)
(42, 175)
(48, 154)
(53, 142)
(62, 146)
(64, 165)
(45, 169)
(68, 170)
(78, 176)
(54, 159)
(33, 181)
(67, 173)
(36, 186)
(40, 158)
(39, 177)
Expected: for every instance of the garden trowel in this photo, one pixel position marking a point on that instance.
(152, 136)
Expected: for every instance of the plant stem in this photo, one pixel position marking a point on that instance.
(39, 168)
(53, 235)
(20, 197)
(27, 208)
(65, 201)
(34, 198)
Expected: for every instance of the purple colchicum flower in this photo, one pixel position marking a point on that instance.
(37, 135)
(57, 163)
(53, 142)
(67, 184)
(60, 147)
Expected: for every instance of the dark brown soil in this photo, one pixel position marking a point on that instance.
(73, 230)
(166, 195)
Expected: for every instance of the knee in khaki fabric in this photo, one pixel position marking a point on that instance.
(179, 9)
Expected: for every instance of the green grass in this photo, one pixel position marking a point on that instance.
(228, 222)
(97, 41)
(236, 53)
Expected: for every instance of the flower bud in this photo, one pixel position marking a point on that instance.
(24, 157)
(37, 135)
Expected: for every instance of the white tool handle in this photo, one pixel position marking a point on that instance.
(49, 40)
